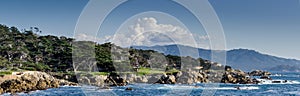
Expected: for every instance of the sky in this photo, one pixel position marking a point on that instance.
(268, 26)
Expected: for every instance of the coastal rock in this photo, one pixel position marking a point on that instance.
(1, 90)
(141, 79)
(129, 89)
(62, 76)
(167, 79)
(259, 73)
(236, 77)
(130, 77)
(171, 79)
(30, 81)
(84, 80)
(266, 77)
(65, 82)
(154, 78)
(190, 77)
(41, 85)
(114, 80)
(100, 80)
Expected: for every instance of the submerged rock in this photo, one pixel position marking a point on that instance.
(129, 89)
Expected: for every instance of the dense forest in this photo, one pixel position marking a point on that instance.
(26, 50)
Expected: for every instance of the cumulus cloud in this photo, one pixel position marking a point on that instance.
(85, 37)
(148, 32)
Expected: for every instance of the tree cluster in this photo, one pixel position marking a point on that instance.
(25, 50)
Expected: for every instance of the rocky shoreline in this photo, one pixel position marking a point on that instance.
(34, 80)
(182, 77)
(30, 81)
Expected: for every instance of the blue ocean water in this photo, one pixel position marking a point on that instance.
(181, 90)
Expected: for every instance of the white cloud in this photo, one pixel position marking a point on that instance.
(85, 37)
(148, 32)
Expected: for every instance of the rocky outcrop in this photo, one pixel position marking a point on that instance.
(181, 77)
(236, 77)
(65, 76)
(67, 83)
(115, 80)
(30, 81)
(190, 77)
(167, 79)
(1, 90)
(99, 80)
(259, 73)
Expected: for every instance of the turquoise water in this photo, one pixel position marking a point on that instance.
(183, 90)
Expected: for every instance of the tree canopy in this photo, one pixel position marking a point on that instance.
(26, 50)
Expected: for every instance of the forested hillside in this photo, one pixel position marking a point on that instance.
(29, 51)
(26, 50)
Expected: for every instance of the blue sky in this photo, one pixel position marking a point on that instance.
(55, 17)
(269, 26)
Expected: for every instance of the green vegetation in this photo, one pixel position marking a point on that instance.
(146, 71)
(172, 71)
(100, 73)
(25, 50)
(28, 51)
(5, 73)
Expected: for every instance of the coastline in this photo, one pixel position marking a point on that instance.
(34, 80)
(30, 81)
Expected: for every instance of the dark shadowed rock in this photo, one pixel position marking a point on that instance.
(167, 79)
(259, 73)
(129, 89)
(115, 80)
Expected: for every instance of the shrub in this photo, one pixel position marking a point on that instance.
(29, 68)
(5, 72)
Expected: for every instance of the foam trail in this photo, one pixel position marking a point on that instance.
(211, 88)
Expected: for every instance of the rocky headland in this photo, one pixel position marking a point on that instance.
(30, 81)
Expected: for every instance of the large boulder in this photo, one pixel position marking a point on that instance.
(171, 79)
(30, 81)
(84, 80)
(100, 80)
(1, 90)
(114, 79)
(130, 77)
(154, 78)
(190, 77)
(65, 82)
(141, 79)
(167, 79)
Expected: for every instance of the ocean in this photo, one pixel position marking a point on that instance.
(182, 90)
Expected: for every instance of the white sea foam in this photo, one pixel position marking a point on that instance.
(215, 88)
(277, 75)
(293, 92)
(265, 81)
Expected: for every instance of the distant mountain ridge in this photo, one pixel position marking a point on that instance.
(244, 59)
